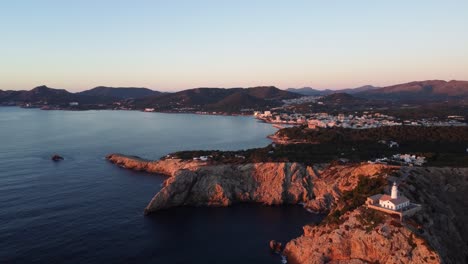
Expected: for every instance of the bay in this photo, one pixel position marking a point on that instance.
(86, 210)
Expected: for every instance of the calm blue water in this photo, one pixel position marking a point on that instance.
(86, 210)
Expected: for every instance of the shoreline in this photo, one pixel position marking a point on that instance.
(317, 188)
(136, 110)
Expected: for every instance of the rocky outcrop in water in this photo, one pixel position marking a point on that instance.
(56, 157)
(276, 247)
(167, 167)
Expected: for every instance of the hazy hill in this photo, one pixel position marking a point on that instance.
(43, 94)
(218, 99)
(345, 100)
(235, 99)
(119, 92)
(270, 93)
(421, 90)
(359, 89)
(342, 98)
(6, 96)
(315, 92)
(308, 91)
(39, 94)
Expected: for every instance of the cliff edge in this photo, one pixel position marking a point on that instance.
(351, 233)
(223, 185)
(197, 183)
(364, 236)
(168, 167)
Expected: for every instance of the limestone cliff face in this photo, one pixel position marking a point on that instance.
(354, 242)
(318, 186)
(331, 181)
(222, 185)
(196, 183)
(444, 215)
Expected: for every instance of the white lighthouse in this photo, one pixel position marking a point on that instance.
(393, 202)
(394, 194)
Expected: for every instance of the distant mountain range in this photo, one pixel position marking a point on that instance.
(200, 99)
(218, 99)
(235, 99)
(98, 95)
(43, 94)
(432, 90)
(315, 92)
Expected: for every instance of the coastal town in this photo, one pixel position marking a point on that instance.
(354, 121)
(401, 159)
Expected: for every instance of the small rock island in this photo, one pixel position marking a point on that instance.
(56, 157)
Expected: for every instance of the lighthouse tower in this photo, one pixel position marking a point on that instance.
(394, 191)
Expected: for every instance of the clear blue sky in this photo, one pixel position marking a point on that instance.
(173, 45)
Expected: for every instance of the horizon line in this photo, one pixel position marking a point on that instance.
(233, 87)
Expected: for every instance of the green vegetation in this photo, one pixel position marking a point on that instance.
(410, 240)
(366, 187)
(442, 146)
(401, 134)
(431, 110)
(351, 200)
(450, 154)
(370, 219)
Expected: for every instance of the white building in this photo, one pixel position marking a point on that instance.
(395, 201)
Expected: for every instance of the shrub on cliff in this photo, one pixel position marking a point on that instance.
(351, 200)
(366, 187)
(369, 218)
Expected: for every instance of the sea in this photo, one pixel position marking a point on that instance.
(86, 210)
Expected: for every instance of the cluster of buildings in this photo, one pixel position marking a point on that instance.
(324, 120)
(364, 121)
(435, 122)
(301, 100)
(201, 158)
(402, 159)
(390, 143)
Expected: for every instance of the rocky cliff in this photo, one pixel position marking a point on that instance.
(444, 215)
(331, 181)
(359, 236)
(196, 183)
(364, 236)
(222, 185)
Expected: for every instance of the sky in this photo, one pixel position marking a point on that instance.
(174, 45)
